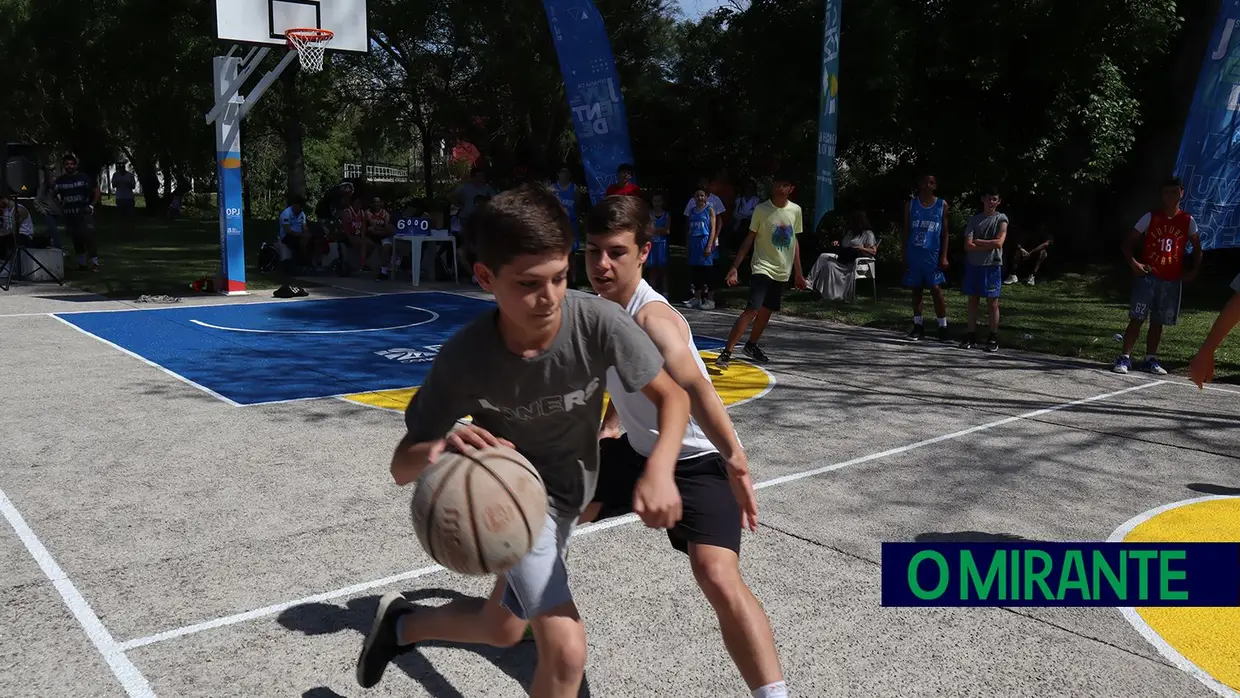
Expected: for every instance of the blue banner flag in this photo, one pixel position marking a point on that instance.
(824, 201)
(1209, 159)
(1033, 573)
(593, 90)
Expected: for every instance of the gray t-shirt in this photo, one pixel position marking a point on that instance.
(549, 406)
(983, 227)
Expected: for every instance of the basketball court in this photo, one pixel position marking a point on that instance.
(198, 504)
(197, 497)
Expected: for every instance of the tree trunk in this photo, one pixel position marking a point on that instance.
(295, 162)
(428, 163)
(148, 178)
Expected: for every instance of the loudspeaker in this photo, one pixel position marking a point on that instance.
(20, 174)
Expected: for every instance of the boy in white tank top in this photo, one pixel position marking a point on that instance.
(712, 474)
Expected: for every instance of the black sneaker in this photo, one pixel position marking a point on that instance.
(992, 343)
(723, 360)
(755, 353)
(942, 334)
(916, 334)
(970, 342)
(380, 647)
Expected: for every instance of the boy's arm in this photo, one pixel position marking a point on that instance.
(610, 427)
(669, 333)
(432, 412)
(1129, 247)
(714, 229)
(672, 402)
(1223, 324)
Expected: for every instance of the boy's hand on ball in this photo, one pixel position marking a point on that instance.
(470, 437)
(657, 501)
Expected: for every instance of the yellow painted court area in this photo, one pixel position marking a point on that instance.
(740, 383)
(1207, 637)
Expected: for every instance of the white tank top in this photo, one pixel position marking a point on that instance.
(639, 416)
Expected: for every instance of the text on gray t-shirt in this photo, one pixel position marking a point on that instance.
(983, 227)
(549, 406)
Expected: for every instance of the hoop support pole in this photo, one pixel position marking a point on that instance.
(227, 98)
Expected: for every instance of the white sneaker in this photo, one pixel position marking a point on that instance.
(708, 305)
(1030, 281)
(1010, 280)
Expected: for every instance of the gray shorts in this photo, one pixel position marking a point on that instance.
(539, 582)
(1155, 299)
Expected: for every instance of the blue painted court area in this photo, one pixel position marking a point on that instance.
(257, 353)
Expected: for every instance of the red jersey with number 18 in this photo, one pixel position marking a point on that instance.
(1166, 238)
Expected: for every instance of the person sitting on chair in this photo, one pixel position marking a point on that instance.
(1033, 249)
(16, 221)
(836, 278)
(295, 233)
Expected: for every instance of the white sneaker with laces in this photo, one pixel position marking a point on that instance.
(1010, 280)
(1030, 281)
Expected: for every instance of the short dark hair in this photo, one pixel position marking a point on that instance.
(783, 175)
(1172, 182)
(621, 214)
(991, 190)
(625, 167)
(528, 219)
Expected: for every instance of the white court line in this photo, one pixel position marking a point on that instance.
(434, 316)
(600, 526)
(131, 679)
(152, 364)
(1150, 635)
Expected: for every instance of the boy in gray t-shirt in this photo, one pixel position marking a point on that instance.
(983, 273)
(532, 375)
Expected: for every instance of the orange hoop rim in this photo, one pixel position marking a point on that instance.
(309, 34)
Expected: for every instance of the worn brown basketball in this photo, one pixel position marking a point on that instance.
(479, 513)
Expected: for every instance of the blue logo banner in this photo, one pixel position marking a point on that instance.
(1031, 573)
(593, 90)
(824, 201)
(1209, 159)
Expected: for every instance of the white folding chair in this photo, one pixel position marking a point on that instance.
(867, 268)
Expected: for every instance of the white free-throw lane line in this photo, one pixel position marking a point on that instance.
(600, 526)
(434, 316)
(131, 679)
(1151, 636)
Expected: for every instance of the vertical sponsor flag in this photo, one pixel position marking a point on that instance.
(828, 112)
(593, 90)
(1209, 158)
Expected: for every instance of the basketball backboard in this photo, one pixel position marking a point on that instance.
(265, 21)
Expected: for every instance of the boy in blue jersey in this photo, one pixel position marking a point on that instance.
(568, 193)
(656, 262)
(925, 254)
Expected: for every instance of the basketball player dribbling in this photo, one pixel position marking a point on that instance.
(531, 374)
(712, 473)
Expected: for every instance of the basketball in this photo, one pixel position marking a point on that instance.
(479, 513)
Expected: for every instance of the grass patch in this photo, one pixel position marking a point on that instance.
(1071, 314)
(162, 257)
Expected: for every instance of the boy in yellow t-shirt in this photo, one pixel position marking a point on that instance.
(773, 232)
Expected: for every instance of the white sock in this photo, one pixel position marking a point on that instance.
(772, 690)
(942, 322)
(917, 320)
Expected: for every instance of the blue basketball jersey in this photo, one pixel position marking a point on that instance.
(568, 197)
(699, 222)
(925, 226)
(662, 222)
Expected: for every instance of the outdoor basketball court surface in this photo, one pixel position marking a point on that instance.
(198, 504)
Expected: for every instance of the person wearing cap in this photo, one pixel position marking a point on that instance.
(78, 195)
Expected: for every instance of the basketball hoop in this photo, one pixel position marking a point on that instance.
(310, 44)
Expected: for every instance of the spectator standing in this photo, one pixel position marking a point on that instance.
(78, 195)
(124, 184)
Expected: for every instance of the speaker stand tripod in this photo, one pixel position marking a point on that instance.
(10, 265)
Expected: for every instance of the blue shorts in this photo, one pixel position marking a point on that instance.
(1155, 299)
(923, 271)
(697, 252)
(983, 282)
(657, 259)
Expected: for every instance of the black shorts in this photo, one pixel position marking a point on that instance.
(710, 514)
(765, 292)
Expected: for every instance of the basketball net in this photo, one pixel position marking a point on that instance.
(310, 45)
